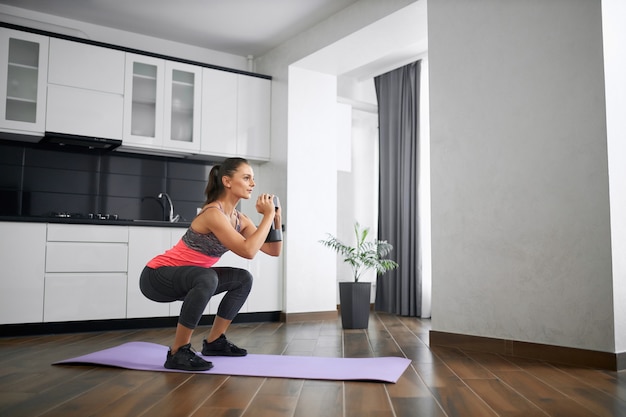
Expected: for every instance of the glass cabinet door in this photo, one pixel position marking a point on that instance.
(143, 101)
(183, 98)
(23, 80)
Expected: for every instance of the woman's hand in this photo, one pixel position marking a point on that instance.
(265, 205)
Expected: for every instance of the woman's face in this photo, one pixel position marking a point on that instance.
(242, 182)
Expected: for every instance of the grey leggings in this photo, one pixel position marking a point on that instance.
(194, 286)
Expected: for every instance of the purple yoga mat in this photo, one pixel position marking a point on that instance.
(144, 356)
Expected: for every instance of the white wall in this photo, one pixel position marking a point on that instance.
(312, 191)
(614, 33)
(297, 178)
(520, 204)
(425, 241)
(357, 190)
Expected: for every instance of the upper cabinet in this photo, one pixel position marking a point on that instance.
(183, 100)
(23, 78)
(85, 89)
(162, 105)
(143, 101)
(86, 66)
(235, 115)
(153, 104)
(253, 117)
(219, 113)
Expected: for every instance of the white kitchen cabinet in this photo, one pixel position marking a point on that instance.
(23, 80)
(77, 111)
(84, 296)
(143, 102)
(86, 66)
(22, 254)
(85, 272)
(73, 272)
(144, 243)
(266, 294)
(219, 113)
(229, 259)
(162, 106)
(86, 257)
(235, 115)
(267, 289)
(235, 261)
(86, 233)
(183, 100)
(253, 117)
(85, 90)
(174, 307)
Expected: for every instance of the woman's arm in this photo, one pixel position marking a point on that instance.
(245, 244)
(269, 248)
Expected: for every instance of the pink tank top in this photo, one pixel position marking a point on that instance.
(194, 249)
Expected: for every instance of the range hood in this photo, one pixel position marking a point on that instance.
(63, 140)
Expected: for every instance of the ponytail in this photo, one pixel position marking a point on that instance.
(215, 186)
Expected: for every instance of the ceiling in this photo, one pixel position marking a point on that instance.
(239, 27)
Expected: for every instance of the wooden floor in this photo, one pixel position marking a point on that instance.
(439, 382)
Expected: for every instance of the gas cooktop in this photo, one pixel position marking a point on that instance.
(83, 216)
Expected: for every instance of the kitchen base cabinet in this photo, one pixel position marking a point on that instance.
(228, 259)
(23, 252)
(71, 272)
(82, 257)
(174, 308)
(267, 290)
(86, 272)
(235, 261)
(144, 243)
(84, 296)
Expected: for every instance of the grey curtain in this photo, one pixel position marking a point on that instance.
(399, 291)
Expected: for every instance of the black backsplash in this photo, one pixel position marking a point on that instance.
(36, 181)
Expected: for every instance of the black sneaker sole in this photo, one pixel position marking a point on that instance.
(223, 354)
(182, 368)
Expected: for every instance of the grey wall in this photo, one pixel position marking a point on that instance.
(520, 205)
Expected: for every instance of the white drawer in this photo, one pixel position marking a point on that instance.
(86, 233)
(86, 257)
(84, 297)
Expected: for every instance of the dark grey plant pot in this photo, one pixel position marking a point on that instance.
(354, 299)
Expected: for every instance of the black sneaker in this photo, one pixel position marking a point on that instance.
(186, 359)
(221, 347)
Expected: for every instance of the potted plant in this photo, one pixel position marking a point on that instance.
(354, 296)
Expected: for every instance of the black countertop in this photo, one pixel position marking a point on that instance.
(120, 222)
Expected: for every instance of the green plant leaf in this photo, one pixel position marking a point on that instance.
(365, 255)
